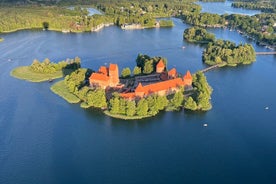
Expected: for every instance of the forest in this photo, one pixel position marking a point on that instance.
(264, 6)
(59, 17)
(46, 66)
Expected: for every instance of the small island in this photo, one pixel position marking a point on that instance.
(46, 70)
(149, 89)
(1, 39)
(220, 52)
(198, 35)
(226, 53)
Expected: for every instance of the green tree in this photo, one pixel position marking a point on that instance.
(142, 107)
(190, 104)
(148, 68)
(126, 72)
(130, 108)
(136, 70)
(177, 99)
(152, 105)
(114, 105)
(161, 102)
(45, 25)
(122, 106)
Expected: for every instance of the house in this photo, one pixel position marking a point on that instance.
(105, 77)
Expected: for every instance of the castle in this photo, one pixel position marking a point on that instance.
(161, 83)
(105, 77)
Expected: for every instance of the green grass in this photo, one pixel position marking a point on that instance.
(25, 73)
(119, 116)
(60, 89)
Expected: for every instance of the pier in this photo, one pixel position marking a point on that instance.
(265, 53)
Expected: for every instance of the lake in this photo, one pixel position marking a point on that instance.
(224, 8)
(43, 139)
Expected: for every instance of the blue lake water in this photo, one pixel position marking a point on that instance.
(225, 8)
(43, 139)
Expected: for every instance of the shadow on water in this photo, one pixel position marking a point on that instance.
(100, 117)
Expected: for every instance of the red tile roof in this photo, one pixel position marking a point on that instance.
(160, 64)
(160, 86)
(188, 75)
(172, 72)
(103, 70)
(164, 85)
(139, 88)
(98, 77)
(128, 95)
(113, 67)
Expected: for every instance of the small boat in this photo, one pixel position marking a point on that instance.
(266, 108)
(183, 47)
(205, 124)
(50, 80)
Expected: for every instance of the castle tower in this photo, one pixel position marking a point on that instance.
(139, 91)
(188, 79)
(172, 74)
(160, 67)
(113, 75)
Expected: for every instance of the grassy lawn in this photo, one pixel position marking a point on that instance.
(60, 89)
(25, 73)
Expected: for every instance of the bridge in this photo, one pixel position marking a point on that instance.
(265, 53)
(209, 68)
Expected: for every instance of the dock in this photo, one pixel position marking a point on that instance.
(265, 53)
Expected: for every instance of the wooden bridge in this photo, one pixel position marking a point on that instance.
(265, 53)
(216, 66)
(209, 68)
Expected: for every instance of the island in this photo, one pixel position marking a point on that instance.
(147, 90)
(220, 52)
(46, 70)
(198, 35)
(227, 53)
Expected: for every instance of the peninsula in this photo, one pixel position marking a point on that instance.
(150, 88)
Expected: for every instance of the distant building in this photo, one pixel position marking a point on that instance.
(105, 77)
